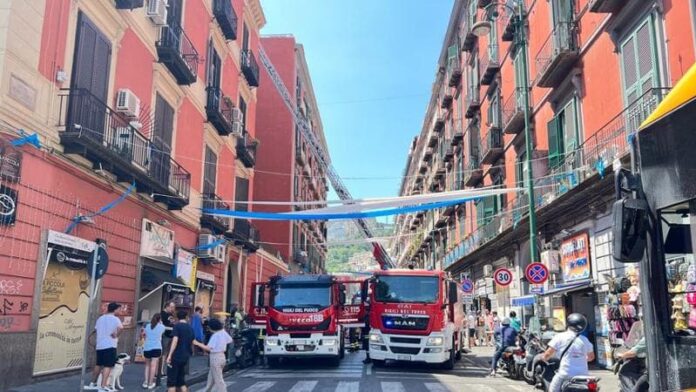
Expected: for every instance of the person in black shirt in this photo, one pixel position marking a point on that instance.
(168, 319)
(179, 353)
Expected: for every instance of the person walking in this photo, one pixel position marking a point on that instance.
(152, 349)
(508, 337)
(481, 329)
(217, 346)
(180, 352)
(490, 327)
(107, 330)
(515, 322)
(574, 351)
(197, 324)
(471, 325)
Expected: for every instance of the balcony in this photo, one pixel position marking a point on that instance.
(176, 51)
(606, 6)
(508, 22)
(454, 72)
(300, 155)
(226, 18)
(490, 65)
(439, 122)
(473, 102)
(93, 130)
(513, 112)
(492, 145)
(244, 234)
(250, 68)
(467, 36)
(457, 133)
(446, 99)
(218, 108)
(217, 224)
(129, 4)
(428, 155)
(557, 56)
(483, 3)
(449, 153)
(432, 139)
(246, 150)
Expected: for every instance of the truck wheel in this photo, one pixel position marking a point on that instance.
(341, 351)
(377, 363)
(458, 356)
(335, 361)
(449, 363)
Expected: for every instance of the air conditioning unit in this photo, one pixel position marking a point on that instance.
(237, 128)
(552, 260)
(204, 240)
(127, 103)
(157, 11)
(219, 254)
(237, 115)
(487, 270)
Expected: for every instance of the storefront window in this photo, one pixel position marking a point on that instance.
(680, 266)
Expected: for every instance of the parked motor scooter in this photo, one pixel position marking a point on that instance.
(534, 347)
(246, 347)
(545, 371)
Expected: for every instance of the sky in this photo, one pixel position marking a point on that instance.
(372, 64)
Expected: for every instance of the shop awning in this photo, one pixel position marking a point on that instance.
(569, 287)
(527, 300)
(153, 280)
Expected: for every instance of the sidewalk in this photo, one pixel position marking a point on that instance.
(131, 379)
(608, 382)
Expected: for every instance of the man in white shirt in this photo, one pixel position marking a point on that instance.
(574, 351)
(107, 329)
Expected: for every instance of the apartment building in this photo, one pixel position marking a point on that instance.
(145, 112)
(288, 166)
(596, 69)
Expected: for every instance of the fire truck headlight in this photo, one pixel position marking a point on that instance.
(329, 342)
(374, 338)
(272, 342)
(435, 341)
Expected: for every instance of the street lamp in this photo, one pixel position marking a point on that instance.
(483, 28)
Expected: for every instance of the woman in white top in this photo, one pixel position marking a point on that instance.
(152, 349)
(217, 346)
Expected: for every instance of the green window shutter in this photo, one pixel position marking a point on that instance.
(554, 145)
(638, 64)
(452, 52)
(570, 128)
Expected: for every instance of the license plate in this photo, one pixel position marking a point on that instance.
(300, 342)
(299, 347)
(402, 357)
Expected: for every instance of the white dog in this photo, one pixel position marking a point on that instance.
(114, 381)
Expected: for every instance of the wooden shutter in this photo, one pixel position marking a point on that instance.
(209, 172)
(174, 12)
(241, 193)
(245, 38)
(638, 63)
(243, 109)
(552, 129)
(569, 129)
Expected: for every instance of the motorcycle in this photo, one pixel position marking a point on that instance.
(534, 347)
(246, 347)
(545, 371)
(629, 370)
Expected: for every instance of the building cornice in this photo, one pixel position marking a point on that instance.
(254, 7)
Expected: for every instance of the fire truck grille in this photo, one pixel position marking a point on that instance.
(405, 340)
(405, 323)
(404, 350)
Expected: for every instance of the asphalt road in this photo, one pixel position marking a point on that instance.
(470, 374)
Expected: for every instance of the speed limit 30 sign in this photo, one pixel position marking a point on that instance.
(502, 276)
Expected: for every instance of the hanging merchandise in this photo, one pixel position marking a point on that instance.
(681, 275)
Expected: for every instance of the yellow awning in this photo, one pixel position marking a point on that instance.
(683, 92)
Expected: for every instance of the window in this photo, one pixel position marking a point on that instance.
(563, 11)
(521, 169)
(245, 38)
(209, 172)
(241, 193)
(162, 140)
(494, 112)
(214, 66)
(639, 67)
(243, 109)
(520, 78)
(564, 135)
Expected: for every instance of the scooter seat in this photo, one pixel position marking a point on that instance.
(584, 379)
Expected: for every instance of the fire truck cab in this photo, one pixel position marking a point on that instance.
(414, 316)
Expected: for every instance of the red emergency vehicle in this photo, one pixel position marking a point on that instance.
(414, 316)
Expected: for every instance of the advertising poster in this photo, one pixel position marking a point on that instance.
(575, 258)
(64, 302)
(186, 263)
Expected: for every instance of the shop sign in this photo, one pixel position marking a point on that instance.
(175, 289)
(481, 287)
(536, 288)
(186, 268)
(8, 205)
(468, 298)
(575, 258)
(64, 301)
(157, 242)
(205, 276)
(10, 160)
(205, 285)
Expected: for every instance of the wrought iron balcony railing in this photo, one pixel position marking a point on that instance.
(473, 101)
(226, 18)
(129, 4)
(454, 72)
(217, 224)
(246, 150)
(250, 68)
(492, 145)
(218, 109)
(176, 51)
(473, 172)
(606, 6)
(513, 112)
(490, 64)
(92, 129)
(244, 234)
(557, 55)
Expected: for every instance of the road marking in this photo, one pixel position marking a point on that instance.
(435, 387)
(304, 386)
(348, 386)
(368, 371)
(227, 384)
(392, 387)
(260, 386)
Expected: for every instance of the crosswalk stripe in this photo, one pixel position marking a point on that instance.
(260, 386)
(304, 386)
(348, 386)
(435, 387)
(392, 387)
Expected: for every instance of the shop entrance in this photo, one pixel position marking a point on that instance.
(584, 302)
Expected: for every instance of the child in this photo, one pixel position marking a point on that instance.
(217, 346)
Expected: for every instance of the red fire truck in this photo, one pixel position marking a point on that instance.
(414, 316)
(304, 316)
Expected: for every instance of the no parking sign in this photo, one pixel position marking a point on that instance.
(502, 276)
(537, 273)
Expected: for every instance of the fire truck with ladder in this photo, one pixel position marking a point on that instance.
(304, 316)
(414, 316)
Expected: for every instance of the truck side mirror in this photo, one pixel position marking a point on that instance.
(363, 291)
(630, 228)
(453, 293)
(342, 295)
(260, 297)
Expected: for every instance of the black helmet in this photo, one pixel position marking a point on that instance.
(577, 322)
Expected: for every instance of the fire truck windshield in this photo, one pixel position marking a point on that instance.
(302, 296)
(407, 289)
